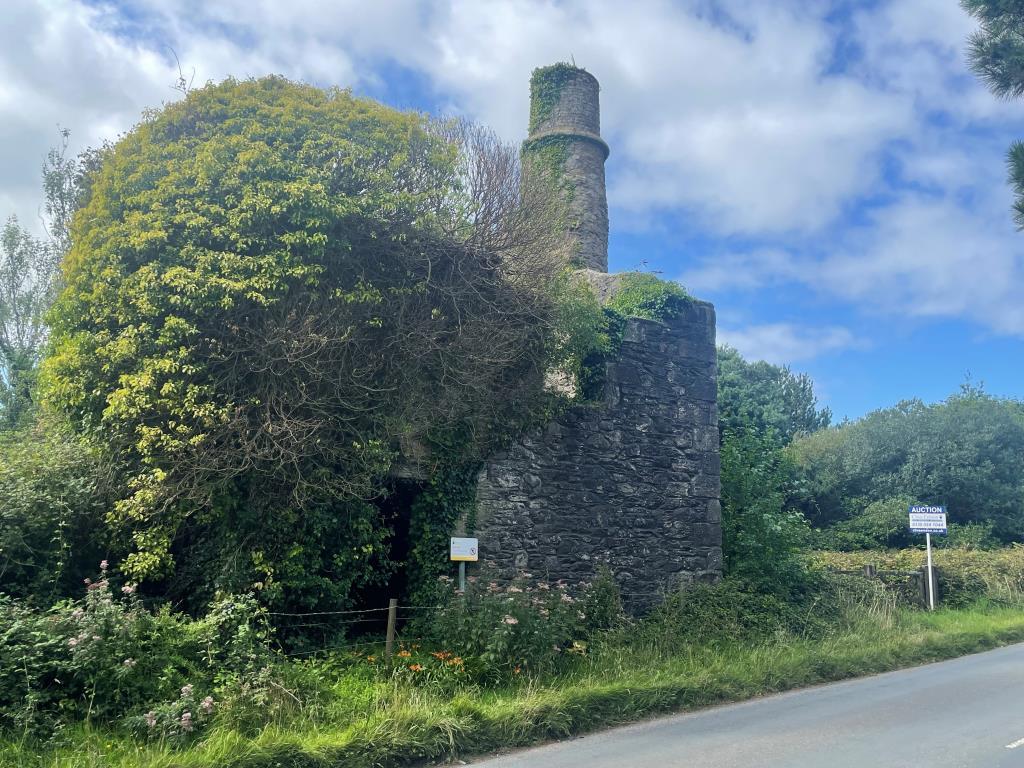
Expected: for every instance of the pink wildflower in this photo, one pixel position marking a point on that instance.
(510, 620)
(128, 663)
(151, 719)
(186, 691)
(128, 589)
(104, 565)
(186, 721)
(207, 705)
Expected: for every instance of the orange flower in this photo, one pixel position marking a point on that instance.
(456, 662)
(441, 655)
(404, 654)
(416, 667)
(371, 659)
(516, 671)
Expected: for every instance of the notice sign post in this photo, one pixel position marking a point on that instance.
(928, 520)
(464, 551)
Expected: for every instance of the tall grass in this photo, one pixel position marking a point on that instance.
(358, 719)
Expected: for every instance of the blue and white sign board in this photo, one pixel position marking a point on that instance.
(465, 550)
(924, 519)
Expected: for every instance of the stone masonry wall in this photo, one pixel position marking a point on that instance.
(631, 482)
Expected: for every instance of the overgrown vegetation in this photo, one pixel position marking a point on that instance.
(966, 575)
(275, 295)
(710, 645)
(270, 288)
(641, 294)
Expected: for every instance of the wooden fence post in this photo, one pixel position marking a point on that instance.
(389, 641)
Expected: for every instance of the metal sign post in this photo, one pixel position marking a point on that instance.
(464, 551)
(931, 580)
(928, 520)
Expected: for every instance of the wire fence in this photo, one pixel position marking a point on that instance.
(389, 622)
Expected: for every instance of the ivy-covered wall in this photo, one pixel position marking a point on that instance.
(630, 481)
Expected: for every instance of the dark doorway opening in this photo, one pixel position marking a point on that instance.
(395, 513)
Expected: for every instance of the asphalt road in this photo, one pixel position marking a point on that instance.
(967, 712)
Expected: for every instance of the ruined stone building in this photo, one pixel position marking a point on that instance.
(630, 482)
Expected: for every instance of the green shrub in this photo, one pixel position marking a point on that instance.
(269, 289)
(966, 452)
(54, 491)
(108, 659)
(641, 294)
(762, 538)
(502, 631)
(965, 575)
(882, 524)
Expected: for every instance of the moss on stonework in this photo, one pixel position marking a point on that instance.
(546, 84)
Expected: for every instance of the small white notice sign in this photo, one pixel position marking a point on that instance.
(465, 550)
(924, 519)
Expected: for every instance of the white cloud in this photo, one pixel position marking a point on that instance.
(59, 68)
(747, 270)
(787, 343)
(927, 256)
(741, 124)
(739, 116)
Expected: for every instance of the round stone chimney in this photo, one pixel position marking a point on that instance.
(565, 145)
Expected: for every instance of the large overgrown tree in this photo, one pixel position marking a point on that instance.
(996, 54)
(272, 288)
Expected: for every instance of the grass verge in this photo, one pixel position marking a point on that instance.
(398, 723)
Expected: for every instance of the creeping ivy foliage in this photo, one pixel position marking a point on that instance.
(546, 84)
(269, 285)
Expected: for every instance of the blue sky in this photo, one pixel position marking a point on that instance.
(829, 174)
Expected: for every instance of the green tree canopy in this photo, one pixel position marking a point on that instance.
(270, 287)
(766, 398)
(30, 278)
(966, 453)
(996, 54)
